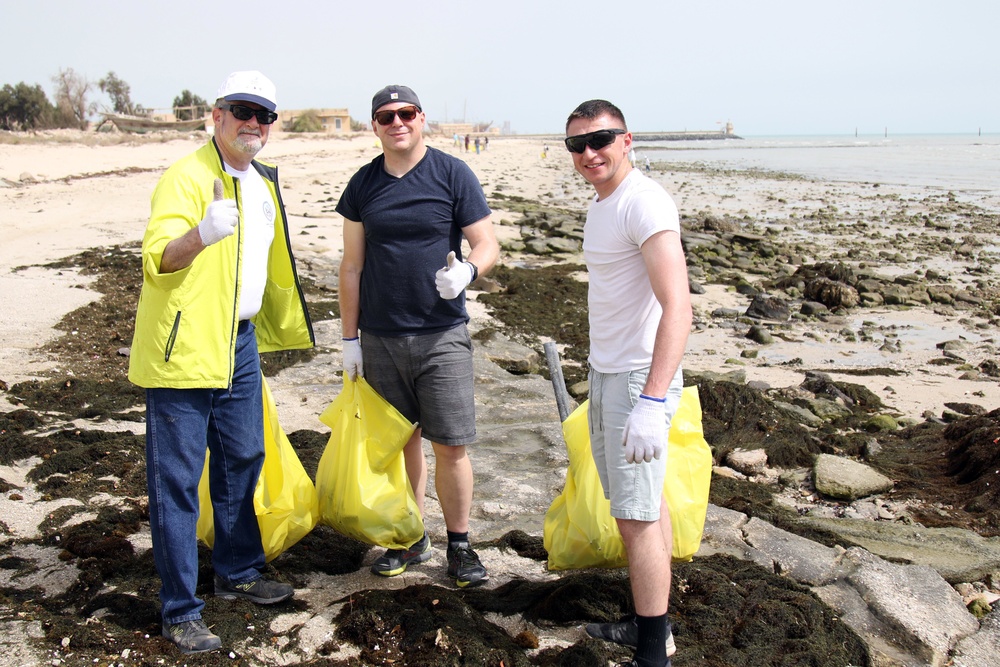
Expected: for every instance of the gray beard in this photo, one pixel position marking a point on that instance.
(248, 144)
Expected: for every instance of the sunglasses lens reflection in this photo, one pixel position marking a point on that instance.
(596, 140)
(405, 114)
(241, 112)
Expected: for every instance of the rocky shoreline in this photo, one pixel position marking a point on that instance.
(797, 566)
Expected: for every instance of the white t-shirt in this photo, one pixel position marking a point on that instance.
(258, 232)
(624, 312)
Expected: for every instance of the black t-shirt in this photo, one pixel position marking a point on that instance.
(411, 224)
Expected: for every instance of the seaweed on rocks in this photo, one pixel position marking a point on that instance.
(732, 613)
(724, 612)
(82, 398)
(547, 302)
(424, 625)
(953, 468)
(735, 415)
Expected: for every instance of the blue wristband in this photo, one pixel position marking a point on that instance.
(350, 339)
(653, 398)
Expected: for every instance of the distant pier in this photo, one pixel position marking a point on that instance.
(683, 136)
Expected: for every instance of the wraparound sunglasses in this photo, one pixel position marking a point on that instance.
(596, 140)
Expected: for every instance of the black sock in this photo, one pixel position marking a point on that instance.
(457, 537)
(652, 648)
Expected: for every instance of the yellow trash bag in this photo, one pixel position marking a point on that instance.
(579, 530)
(363, 489)
(285, 497)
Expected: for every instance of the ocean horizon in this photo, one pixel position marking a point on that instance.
(952, 161)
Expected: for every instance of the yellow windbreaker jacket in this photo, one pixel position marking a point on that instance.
(185, 326)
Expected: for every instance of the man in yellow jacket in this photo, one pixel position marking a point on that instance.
(219, 286)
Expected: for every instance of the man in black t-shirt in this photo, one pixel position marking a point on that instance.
(402, 305)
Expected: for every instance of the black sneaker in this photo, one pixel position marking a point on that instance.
(192, 636)
(259, 591)
(464, 565)
(395, 561)
(626, 633)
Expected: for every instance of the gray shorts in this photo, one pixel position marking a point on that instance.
(429, 379)
(634, 489)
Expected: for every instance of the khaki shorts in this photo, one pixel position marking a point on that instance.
(634, 489)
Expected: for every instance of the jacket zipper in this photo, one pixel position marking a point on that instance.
(236, 284)
(172, 338)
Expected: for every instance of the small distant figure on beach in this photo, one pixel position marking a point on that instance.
(466, 143)
(545, 151)
(458, 141)
(477, 145)
(631, 157)
(647, 163)
(486, 143)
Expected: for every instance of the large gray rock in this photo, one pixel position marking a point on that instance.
(748, 462)
(801, 559)
(983, 648)
(926, 614)
(882, 639)
(832, 293)
(827, 409)
(956, 554)
(767, 307)
(804, 415)
(839, 477)
(512, 357)
(723, 534)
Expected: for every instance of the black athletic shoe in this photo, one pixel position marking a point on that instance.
(633, 663)
(259, 591)
(464, 565)
(192, 636)
(626, 633)
(395, 561)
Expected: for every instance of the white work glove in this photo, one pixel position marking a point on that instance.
(454, 278)
(645, 434)
(353, 364)
(221, 218)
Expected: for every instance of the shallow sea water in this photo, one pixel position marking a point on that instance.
(953, 162)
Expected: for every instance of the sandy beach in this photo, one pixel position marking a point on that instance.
(68, 197)
(65, 193)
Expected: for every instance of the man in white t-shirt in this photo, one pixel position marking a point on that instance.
(640, 316)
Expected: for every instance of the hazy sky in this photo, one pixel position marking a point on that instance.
(769, 66)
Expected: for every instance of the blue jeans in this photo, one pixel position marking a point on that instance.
(179, 425)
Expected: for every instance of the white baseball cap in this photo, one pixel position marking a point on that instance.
(249, 86)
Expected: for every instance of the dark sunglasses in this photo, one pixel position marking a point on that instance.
(596, 140)
(406, 114)
(242, 112)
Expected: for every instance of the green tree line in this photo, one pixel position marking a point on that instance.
(24, 107)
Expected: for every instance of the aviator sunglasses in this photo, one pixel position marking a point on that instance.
(596, 140)
(242, 112)
(405, 114)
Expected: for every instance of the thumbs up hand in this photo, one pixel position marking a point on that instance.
(221, 218)
(453, 278)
